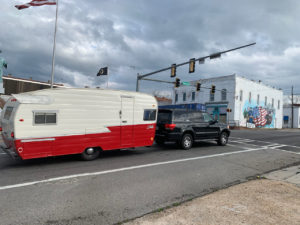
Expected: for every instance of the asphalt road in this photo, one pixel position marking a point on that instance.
(121, 185)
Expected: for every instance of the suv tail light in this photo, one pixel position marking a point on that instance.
(12, 134)
(0, 128)
(170, 126)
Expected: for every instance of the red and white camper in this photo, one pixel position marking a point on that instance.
(54, 122)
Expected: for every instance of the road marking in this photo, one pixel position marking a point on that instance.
(271, 143)
(238, 146)
(242, 139)
(276, 146)
(297, 153)
(125, 169)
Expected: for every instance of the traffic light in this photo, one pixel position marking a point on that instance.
(198, 86)
(177, 82)
(173, 70)
(192, 65)
(213, 89)
(228, 110)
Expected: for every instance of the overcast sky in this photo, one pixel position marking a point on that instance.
(140, 36)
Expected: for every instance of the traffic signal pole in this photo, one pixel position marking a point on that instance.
(201, 59)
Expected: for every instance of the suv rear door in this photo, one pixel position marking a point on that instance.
(164, 116)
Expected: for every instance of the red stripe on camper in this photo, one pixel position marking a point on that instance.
(119, 137)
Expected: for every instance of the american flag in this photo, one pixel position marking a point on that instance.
(36, 3)
(260, 119)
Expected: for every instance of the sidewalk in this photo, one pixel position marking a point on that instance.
(275, 200)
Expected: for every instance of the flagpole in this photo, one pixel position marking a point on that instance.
(54, 45)
(107, 82)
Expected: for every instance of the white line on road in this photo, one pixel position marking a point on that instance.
(238, 146)
(124, 169)
(240, 140)
(297, 153)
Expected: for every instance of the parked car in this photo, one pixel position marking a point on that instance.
(186, 127)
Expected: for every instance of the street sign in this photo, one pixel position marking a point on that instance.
(186, 83)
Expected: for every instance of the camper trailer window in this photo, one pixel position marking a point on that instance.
(149, 114)
(51, 118)
(45, 118)
(8, 112)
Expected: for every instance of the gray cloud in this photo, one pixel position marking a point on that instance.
(141, 36)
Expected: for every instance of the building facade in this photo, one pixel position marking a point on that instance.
(290, 118)
(253, 104)
(15, 85)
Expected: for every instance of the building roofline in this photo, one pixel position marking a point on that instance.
(30, 81)
(235, 76)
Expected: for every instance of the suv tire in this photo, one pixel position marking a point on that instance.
(186, 141)
(223, 139)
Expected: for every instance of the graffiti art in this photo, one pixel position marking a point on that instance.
(259, 116)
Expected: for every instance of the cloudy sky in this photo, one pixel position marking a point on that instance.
(140, 36)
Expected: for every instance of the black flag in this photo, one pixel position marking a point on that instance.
(102, 71)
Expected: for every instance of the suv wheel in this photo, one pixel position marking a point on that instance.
(223, 139)
(186, 141)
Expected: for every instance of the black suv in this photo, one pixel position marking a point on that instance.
(185, 127)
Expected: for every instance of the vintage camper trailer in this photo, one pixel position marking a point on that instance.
(54, 122)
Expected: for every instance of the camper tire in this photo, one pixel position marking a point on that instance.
(90, 154)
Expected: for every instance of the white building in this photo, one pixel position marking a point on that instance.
(288, 116)
(253, 104)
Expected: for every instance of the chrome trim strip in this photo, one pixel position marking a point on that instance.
(207, 132)
(35, 140)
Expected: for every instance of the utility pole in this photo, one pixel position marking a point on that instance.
(292, 106)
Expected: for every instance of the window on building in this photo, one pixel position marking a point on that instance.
(278, 106)
(44, 118)
(257, 99)
(241, 95)
(211, 97)
(149, 114)
(176, 97)
(184, 97)
(249, 97)
(223, 94)
(266, 101)
(193, 96)
(272, 102)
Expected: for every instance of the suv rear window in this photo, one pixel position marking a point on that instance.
(8, 112)
(164, 117)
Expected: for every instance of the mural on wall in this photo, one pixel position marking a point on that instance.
(259, 116)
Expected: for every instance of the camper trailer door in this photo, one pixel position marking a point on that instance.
(127, 108)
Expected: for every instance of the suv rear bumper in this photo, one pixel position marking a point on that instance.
(10, 151)
(172, 137)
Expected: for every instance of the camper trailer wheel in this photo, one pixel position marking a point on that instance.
(90, 154)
